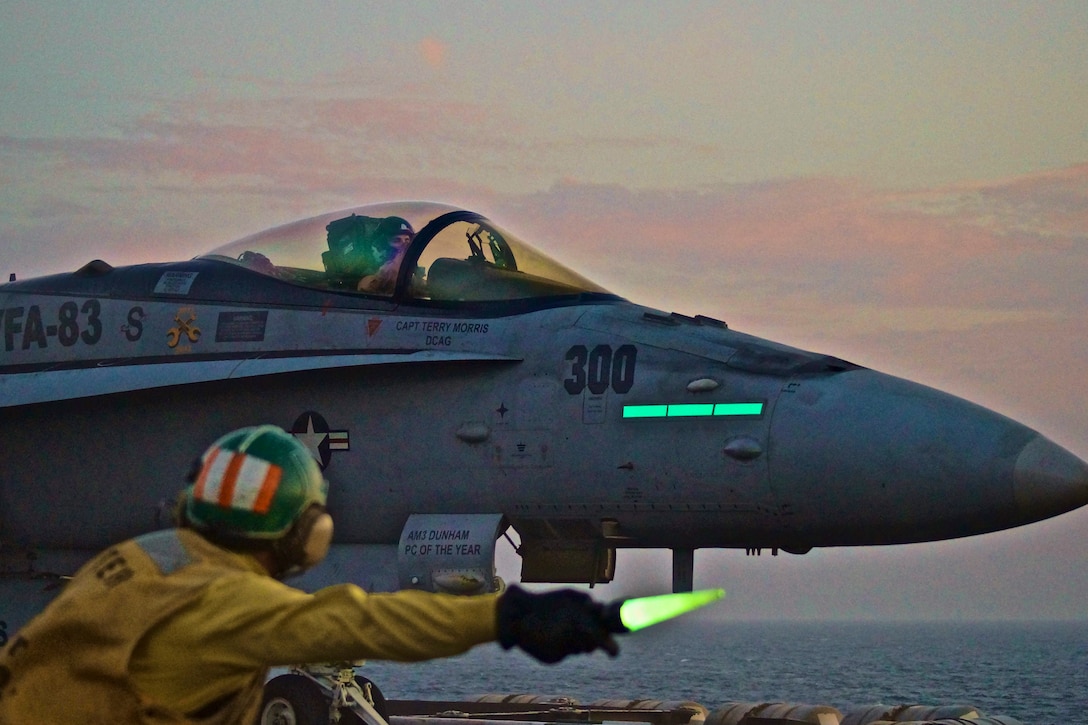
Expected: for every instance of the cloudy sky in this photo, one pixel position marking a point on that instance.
(904, 185)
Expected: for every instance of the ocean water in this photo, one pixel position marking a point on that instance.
(1035, 672)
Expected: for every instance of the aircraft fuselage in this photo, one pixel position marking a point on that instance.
(579, 419)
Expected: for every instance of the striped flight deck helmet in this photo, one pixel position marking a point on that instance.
(261, 485)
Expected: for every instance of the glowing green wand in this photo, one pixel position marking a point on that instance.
(631, 615)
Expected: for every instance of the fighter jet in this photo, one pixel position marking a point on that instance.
(457, 385)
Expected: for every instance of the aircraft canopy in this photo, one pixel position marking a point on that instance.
(407, 250)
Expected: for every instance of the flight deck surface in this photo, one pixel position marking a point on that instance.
(495, 709)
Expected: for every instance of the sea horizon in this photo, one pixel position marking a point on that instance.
(1033, 670)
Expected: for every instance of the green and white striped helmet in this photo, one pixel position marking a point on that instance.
(254, 483)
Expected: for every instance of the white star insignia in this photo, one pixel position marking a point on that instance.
(311, 439)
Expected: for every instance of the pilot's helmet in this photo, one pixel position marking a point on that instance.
(261, 486)
(395, 226)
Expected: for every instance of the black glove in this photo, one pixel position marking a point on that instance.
(552, 625)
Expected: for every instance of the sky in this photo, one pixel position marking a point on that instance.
(903, 185)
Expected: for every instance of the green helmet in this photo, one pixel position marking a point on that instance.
(254, 483)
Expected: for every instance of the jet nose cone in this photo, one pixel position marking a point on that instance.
(1048, 480)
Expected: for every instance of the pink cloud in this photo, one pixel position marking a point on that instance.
(858, 244)
(997, 246)
(309, 144)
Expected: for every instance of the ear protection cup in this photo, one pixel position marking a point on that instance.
(316, 545)
(308, 541)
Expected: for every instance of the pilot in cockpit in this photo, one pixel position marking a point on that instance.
(399, 234)
(365, 252)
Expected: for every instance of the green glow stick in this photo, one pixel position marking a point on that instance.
(639, 613)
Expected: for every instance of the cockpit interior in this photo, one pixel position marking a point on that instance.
(410, 251)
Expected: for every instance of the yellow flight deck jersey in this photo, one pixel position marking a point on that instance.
(169, 628)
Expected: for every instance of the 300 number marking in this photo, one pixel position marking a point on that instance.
(600, 368)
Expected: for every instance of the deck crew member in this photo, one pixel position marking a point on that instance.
(182, 625)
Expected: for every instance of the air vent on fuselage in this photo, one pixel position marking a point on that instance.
(94, 268)
(767, 361)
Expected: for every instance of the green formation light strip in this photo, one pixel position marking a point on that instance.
(640, 613)
(692, 410)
